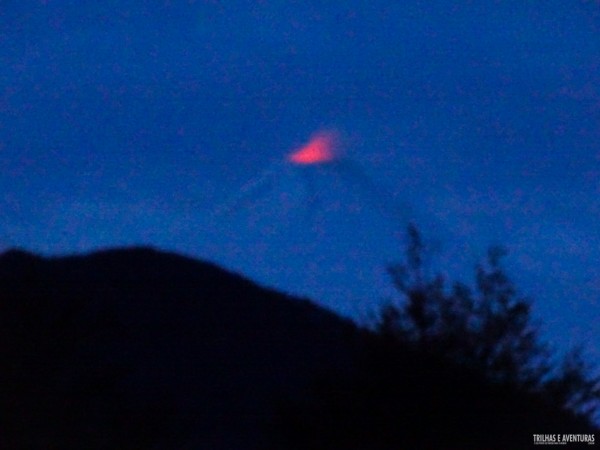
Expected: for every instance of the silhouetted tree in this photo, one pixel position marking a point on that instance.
(488, 328)
(449, 367)
(574, 386)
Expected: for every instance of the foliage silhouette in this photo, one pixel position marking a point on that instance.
(489, 329)
(449, 367)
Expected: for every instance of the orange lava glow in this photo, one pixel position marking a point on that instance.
(319, 150)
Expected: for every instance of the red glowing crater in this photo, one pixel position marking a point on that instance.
(319, 150)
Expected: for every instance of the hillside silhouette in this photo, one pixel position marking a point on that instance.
(140, 349)
(137, 348)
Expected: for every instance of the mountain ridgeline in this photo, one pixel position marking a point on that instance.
(137, 348)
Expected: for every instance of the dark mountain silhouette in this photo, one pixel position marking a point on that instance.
(140, 349)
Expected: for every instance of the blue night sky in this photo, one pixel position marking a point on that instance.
(134, 121)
